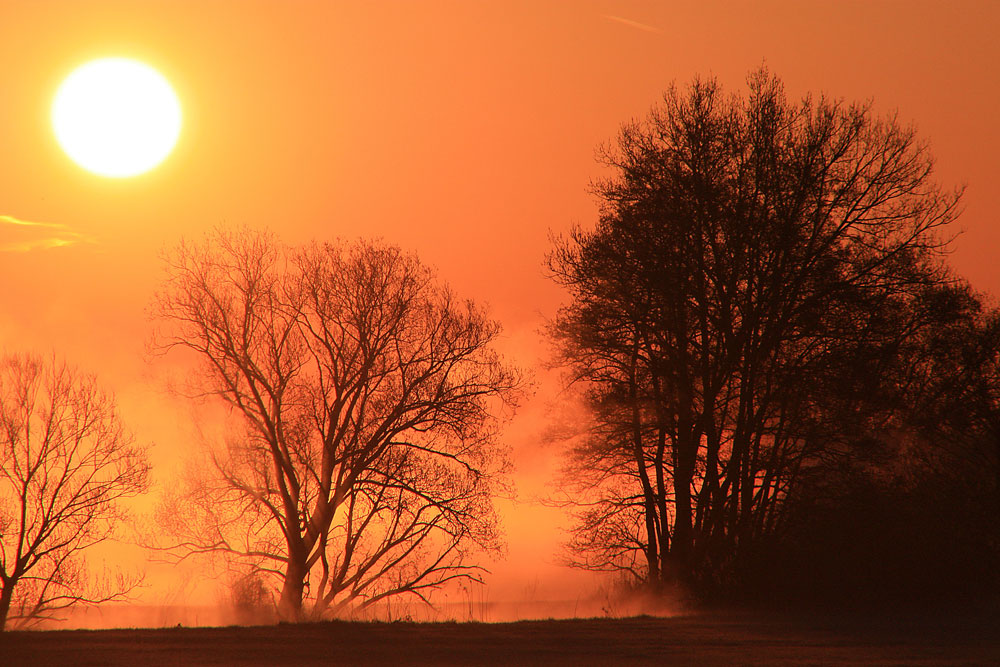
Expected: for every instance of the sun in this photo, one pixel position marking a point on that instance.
(116, 117)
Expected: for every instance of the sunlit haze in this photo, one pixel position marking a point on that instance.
(463, 132)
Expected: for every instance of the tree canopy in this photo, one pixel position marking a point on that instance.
(368, 399)
(66, 464)
(745, 318)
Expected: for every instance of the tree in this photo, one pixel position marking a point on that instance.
(366, 457)
(66, 462)
(757, 265)
(921, 527)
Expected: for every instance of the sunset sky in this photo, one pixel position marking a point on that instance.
(464, 131)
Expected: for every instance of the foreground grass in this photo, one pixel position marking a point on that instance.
(723, 639)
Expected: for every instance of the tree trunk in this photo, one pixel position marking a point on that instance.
(649, 501)
(290, 603)
(5, 597)
(683, 528)
(683, 533)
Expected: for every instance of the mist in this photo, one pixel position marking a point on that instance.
(467, 604)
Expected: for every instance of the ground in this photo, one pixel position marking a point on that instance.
(712, 639)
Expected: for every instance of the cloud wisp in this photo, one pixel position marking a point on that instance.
(18, 235)
(632, 24)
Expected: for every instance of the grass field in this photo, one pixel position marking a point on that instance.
(719, 639)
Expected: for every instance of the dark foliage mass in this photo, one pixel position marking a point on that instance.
(924, 526)
(788, 386)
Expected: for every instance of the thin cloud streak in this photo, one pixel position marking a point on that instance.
(18, 235)
(632, 24)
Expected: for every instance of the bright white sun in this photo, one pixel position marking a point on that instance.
(116, 117)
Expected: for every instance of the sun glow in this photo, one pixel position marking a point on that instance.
(116, 117)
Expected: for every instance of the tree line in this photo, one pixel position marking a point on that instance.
(789, 391)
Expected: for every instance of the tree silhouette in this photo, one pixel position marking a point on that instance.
(916, 523)
(757, 265)
(366, 459)
(66, 461)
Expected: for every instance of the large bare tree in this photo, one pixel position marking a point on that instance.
(66, 462)
(758, 265)
(367, 395)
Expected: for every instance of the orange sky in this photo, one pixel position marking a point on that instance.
(462, 130)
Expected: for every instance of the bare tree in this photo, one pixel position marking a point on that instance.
(367, 454)
(66, 462)
(757, 261)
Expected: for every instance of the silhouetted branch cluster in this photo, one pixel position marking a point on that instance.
(66, 462)
(367, 460)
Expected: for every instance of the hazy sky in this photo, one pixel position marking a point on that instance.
(462, 130)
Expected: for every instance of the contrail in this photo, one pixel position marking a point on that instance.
(632, 24)
(18, 235)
